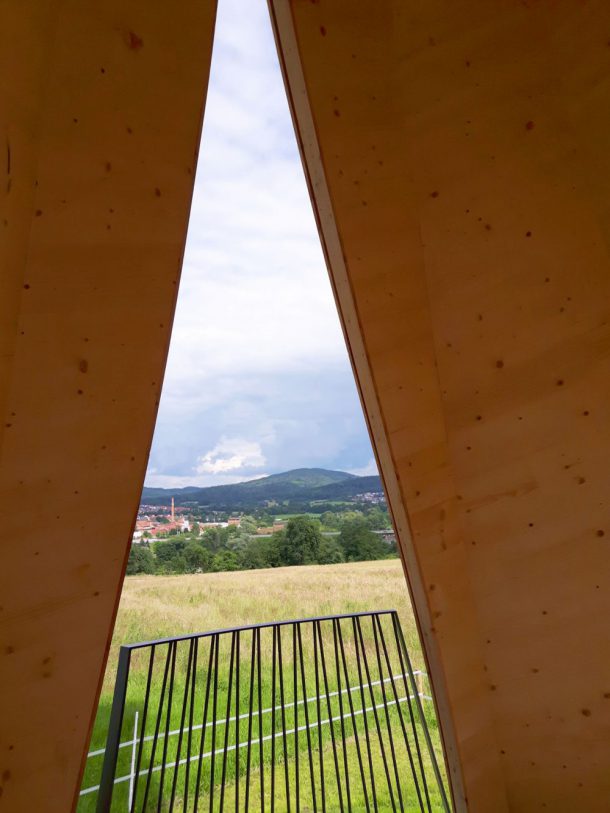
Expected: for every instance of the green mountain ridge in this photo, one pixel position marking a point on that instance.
(295, 485)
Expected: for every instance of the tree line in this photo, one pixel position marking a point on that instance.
(300, 543)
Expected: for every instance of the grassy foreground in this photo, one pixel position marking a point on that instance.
(157, 606)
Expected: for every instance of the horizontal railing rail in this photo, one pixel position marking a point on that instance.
(250, 627)
(224, 720)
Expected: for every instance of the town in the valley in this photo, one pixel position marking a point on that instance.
(307, 516)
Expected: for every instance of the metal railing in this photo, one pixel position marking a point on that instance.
(321, 714)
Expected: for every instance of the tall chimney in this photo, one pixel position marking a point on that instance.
(173, 514)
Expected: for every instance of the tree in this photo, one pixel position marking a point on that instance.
(378, 520)
(141, 560)
(300, 543)
(260, 552)
(247, 525)
(225, 560)
(179, 564)
(197, 558)
(359, 543)
(273, 549)
(214, 538)
(348, 516)
(331, 551)
(329, 519)
(263, 518)
(169, 555)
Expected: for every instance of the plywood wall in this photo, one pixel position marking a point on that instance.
(457, 154)
(101, 112)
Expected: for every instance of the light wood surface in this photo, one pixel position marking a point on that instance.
(457, 155)
(101, 107)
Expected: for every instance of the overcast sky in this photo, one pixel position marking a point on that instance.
(258, 380)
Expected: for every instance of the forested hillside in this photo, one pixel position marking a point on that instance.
(304, 485)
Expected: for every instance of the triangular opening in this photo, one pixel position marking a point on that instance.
(263, 504)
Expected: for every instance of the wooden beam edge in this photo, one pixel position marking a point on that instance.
(306, 135)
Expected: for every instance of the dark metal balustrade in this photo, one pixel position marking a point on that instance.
(320, 714)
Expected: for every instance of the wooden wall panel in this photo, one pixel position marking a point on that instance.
(100, 125)
(458, 162)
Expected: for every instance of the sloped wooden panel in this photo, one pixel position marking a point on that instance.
(100, 124)
(457, 155)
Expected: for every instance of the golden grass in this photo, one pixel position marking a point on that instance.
(159, 606)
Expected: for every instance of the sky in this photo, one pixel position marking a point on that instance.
(258, 379)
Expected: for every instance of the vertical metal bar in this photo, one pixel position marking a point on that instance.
(318, 711)
(306, 710)
(400, 714)
(387, 713)
(157, 728)
(261, 746)
(296, 716)
(132, 771)
(342, 718)
(227, 723)
(250, 714)
(182, 719)
(330, 715)
(168, 724)
(273, 720)
(214, 712)
(237, 711)
(435, 768)
(283, 716)
(189, 749)
(151, 662)
(409, 689)
(338, 637)
(104, 797)
(204, 721)
(364, 717)
(357, 627)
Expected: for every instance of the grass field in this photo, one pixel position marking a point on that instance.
(160, 606)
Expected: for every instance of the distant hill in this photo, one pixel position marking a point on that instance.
(296, 485)
(349, 488)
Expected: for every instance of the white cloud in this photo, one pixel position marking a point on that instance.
(366, 471)
(255, 294)
(183, 480)
(257, 350)
(231, 454)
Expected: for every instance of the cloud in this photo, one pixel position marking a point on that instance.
(257, 350)
(366, 471)
(231, 454)
(183, 480)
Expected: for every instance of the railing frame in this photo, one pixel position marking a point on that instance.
(113, 743)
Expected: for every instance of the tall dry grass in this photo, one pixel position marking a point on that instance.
(159, 606)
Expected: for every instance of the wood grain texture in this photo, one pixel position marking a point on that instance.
(101, 118)
(458, 165)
